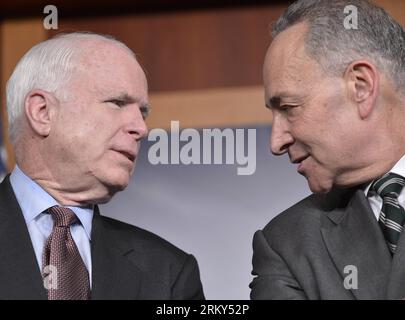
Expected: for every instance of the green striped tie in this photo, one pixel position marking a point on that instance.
(392, 216)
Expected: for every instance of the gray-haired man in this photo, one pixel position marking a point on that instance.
(337, 95)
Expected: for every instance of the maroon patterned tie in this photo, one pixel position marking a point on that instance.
(65, 274)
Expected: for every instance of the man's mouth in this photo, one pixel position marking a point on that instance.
(128, 154)
(299, 161)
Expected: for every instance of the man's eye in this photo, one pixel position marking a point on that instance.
(117, 102)
(145, 111)
(286, 106)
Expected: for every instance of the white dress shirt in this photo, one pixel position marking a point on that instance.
(33, 201)
(375, 200)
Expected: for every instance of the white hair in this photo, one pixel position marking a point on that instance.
(47, 66)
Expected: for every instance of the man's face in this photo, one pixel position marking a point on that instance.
(311, 113)
(96, 131)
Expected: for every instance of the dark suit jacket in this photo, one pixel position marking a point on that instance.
(127, 262)
(303, 252)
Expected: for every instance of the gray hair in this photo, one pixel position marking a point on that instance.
(378, 36)
(47, 66)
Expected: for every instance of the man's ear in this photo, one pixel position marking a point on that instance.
(363, 82)
(38, 108)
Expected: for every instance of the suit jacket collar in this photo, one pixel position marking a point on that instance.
(115, 273)
(353, 238)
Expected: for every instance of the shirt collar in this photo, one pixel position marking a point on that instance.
(399, 168)
(34, 200)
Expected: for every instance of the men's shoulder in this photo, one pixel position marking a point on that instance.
(168, 272)
(305, 218)
(305, 213)
(144, 241)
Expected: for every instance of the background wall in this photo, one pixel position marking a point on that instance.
(210, 211)
(203, 62)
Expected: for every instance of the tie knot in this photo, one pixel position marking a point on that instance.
(62, 217)
(390, 184)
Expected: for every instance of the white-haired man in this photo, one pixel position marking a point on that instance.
(76, 106)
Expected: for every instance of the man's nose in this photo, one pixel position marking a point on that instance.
(280, 138)
(138, 128)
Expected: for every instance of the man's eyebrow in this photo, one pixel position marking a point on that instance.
(273, 102)
(276, 99)
(125, 99)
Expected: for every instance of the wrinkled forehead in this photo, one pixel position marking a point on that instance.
(102, 56)
(287, 49)
(287, 63)
(106, 66)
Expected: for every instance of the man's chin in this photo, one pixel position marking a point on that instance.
(111, 190)
(319, 187)
(116, 184)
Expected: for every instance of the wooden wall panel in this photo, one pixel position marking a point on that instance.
(81, 8)
(193, 49)
(17, 36)
(209, 108)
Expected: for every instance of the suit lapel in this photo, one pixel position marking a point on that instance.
(353, 238)
(396, 285)
(20, 277)
(115, 276)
